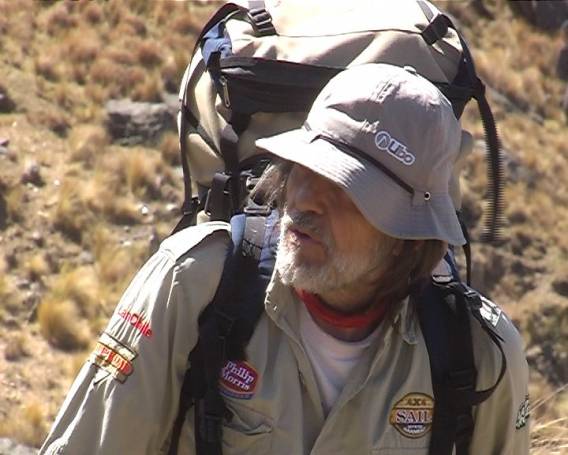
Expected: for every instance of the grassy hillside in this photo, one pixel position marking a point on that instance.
(79, 214)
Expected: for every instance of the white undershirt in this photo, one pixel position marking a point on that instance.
(331, 359)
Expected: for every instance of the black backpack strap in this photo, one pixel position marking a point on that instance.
(226, 325)
(444, 314)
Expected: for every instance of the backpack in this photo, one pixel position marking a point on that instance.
(255, 73)
(226, 325)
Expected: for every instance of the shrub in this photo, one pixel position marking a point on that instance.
(17, 347)
(87, 143)
(28, 424)
(61, 326)
(36, 267)
(70, 216)
(148, 53)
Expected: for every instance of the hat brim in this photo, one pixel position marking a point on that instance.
(385, 204)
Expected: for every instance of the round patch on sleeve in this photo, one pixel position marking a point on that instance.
(412, 416)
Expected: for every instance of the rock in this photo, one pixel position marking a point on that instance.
(38, 238)
(560, 286)
(547, 15)
(9, 447)
(4, 142)
(32, 174)
(131, 123)
(4, 151)
(86, 257)
(6, 103)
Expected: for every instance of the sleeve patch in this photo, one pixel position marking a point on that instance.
(490, 312)
(113, 357)
(523, 414)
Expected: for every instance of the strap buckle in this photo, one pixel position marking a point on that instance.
(261, 20)
(219, 205)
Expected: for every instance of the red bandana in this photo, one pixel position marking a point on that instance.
(320, 310)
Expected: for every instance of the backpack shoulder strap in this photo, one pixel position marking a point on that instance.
(225, 327)
(444, 312)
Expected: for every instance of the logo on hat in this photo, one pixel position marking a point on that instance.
(385, 142)
(412, 416)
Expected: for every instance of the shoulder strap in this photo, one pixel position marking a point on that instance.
(443, 312)
(226, 325)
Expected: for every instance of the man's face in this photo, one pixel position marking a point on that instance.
(325, 242)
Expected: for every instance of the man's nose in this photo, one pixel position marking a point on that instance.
(310, 193)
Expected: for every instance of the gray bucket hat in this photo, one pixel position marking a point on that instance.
(390, 139)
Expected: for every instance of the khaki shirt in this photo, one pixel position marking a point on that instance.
(126, 396)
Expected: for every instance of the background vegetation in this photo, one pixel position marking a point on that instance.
(79, 214)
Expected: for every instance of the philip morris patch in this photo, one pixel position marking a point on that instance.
(113, 357)
(238, 380)
(412, 416)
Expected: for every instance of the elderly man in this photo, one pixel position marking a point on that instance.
(337, 362)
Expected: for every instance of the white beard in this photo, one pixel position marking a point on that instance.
(339, 272)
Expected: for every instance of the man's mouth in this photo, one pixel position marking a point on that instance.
(303, 235)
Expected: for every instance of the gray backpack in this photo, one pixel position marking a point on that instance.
(255, 73)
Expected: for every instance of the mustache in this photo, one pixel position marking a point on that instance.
(307, 223)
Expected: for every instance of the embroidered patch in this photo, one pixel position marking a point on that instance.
(136, 321)
(412, 416)
(238, 380)
(490, 312)
(113, 357)
(523, 414)
(385, 142)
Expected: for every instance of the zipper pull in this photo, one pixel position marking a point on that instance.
(226, 99)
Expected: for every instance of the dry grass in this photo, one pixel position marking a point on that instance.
(549, 436)
(70, 216)
(149, 89)
(15, 199)
(169, 147)
(93, 13)
(88, 143)
(61, 326)
(36, 266)
(27, 424)
(48, 66)
(53, 119)
(17, 347)
(70, 309)
(148, 53)
(82, 46)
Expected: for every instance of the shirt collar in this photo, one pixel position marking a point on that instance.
(281, 305)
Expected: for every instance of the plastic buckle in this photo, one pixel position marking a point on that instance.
(191, 209)
(436, 29)
(261, 20)
(257, 210)
(472, 298)
(218, 204)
